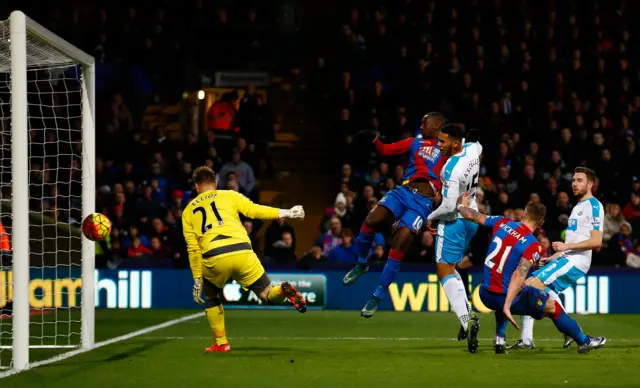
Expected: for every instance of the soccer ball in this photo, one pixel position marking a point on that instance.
(96, 227)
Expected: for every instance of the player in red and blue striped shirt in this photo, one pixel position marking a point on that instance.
(512, 252)
(409, 203)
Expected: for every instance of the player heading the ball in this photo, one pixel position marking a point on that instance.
(219, 249)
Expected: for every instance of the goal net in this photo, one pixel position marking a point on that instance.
(46, 188)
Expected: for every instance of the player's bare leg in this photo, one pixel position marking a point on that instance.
(568, 326)
(401, 241)
(285, 291)
(457, 295)
(376, 219)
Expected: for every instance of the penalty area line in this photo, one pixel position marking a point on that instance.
(108, 342)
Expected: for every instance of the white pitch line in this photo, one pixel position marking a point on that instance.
(121, 338)
(193, 338)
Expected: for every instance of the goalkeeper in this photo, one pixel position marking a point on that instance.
(219, 249)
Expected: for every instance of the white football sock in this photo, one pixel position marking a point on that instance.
(527, 321)
(527, 329)
(454, 289)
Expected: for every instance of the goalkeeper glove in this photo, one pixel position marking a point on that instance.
(294, 212)
(197, 291)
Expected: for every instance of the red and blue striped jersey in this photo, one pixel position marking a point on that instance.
(425, 158)
(511, 242)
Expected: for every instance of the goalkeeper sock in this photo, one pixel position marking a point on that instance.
(389, 273)
(457, 295)
(276, 296)
(364, 242)
(567, 325)
(215, 315)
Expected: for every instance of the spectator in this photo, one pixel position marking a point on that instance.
(345, 252)
(134, 234)
(241, 170)
(274, 233)
(248, 226)
(613, 220)
(621, 246)
(137, 250)
(282, 251)
(340, 209)
(159, 251)
(311, 258)
(631, 212)
(163, 232)
(332, 238)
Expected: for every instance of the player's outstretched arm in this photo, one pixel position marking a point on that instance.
(253, 210)
(472, 215)
(517, 280)
(397, 148)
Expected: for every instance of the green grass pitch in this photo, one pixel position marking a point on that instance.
(336, 349)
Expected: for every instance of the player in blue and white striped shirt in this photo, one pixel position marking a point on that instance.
(573, 256)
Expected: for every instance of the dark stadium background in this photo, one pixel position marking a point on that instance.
(549, 86)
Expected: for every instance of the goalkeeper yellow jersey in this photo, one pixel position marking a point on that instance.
(212, 227)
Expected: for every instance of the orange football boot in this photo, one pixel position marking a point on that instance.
(215, 348)
(296, 299)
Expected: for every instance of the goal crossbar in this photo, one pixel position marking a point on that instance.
(33, 46)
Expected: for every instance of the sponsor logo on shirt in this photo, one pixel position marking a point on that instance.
(429, 153)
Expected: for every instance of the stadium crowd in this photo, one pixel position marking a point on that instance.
(550, 87)
(143, 177)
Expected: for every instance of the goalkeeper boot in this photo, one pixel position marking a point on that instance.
(594, 343)
(567, 341)
(215, 348)
(353, 275)
(520, 344)
(296, 299)
(370, 308)
(500, 345)
(472, 332)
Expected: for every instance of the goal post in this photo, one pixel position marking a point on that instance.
(37, 56)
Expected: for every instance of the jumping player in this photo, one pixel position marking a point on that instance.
(573, 257)
(454, 233)
(513, 251)
(409, 203)
(219, 248)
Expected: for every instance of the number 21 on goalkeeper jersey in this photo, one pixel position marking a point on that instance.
(511, 241)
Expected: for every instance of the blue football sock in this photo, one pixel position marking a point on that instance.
(569, 326)
(388, 276)
(363, 244)
(501, 324)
